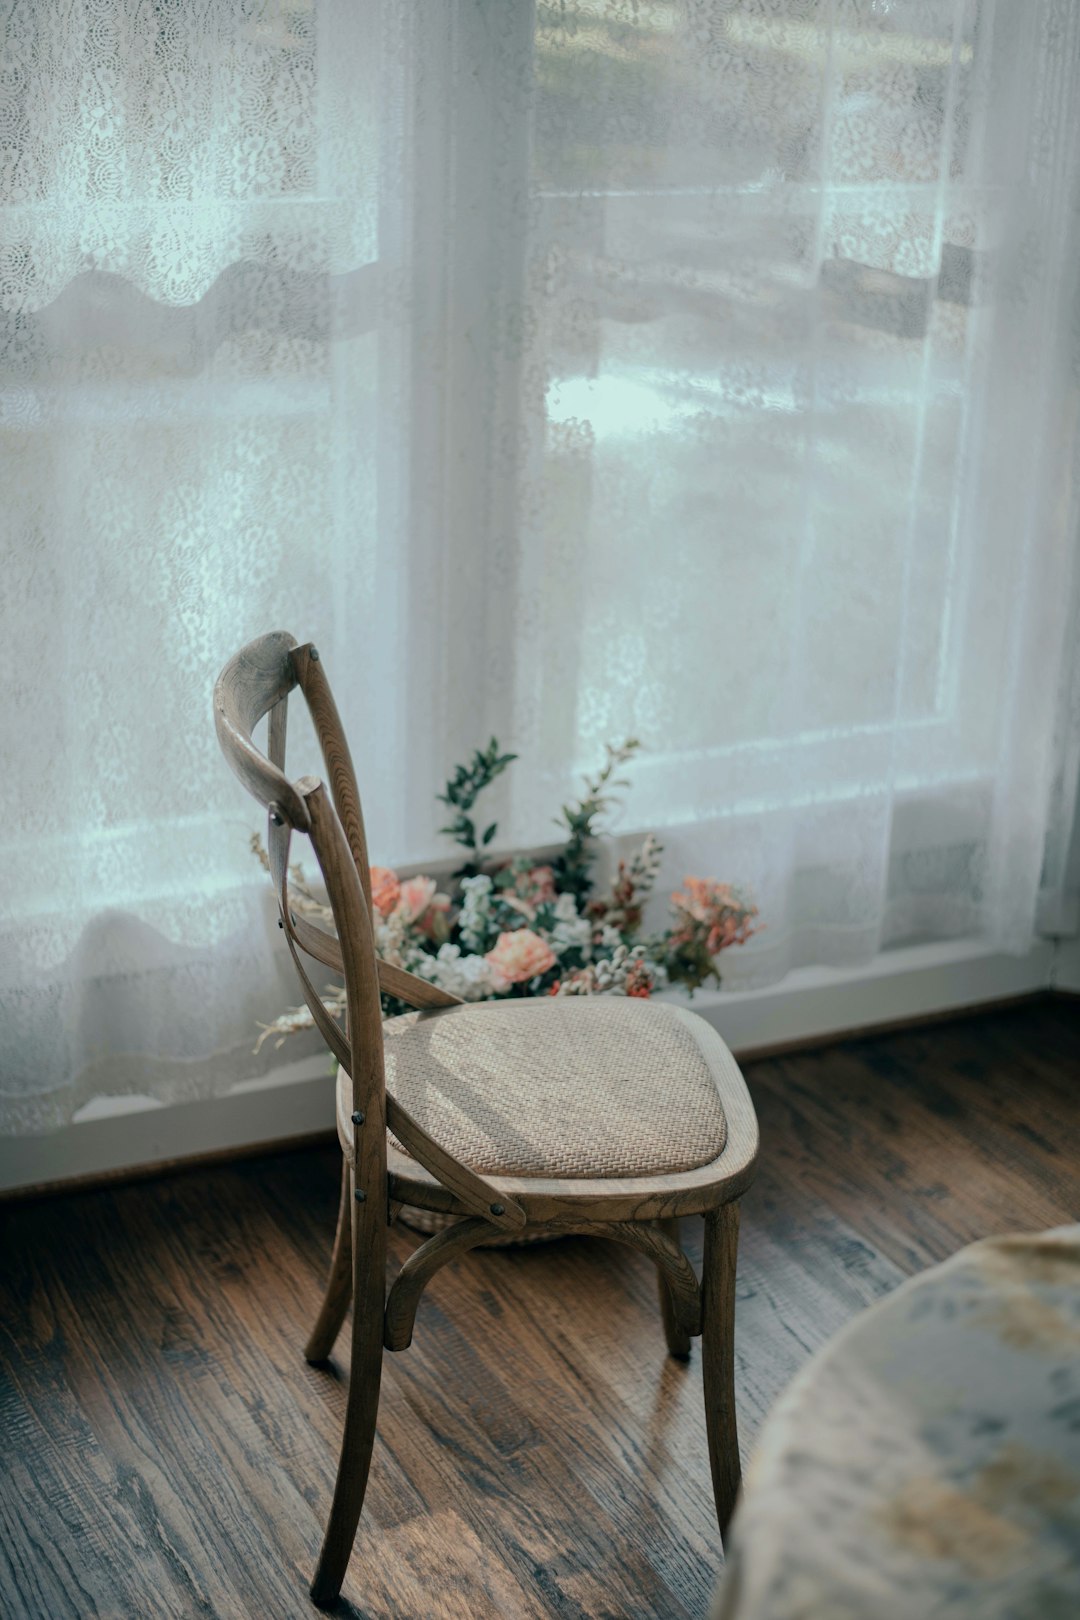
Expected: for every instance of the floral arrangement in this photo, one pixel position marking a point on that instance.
(525, 927)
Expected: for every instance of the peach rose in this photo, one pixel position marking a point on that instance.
(385, 889)
(520, 955)
(415, 897)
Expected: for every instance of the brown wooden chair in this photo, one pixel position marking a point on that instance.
(607, 1116)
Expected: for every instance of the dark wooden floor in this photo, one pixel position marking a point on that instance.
(167, 1452)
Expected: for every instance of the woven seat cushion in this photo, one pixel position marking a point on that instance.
(604, 1087)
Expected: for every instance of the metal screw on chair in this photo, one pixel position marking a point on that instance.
(358, 1117)
(498, 1209)
(360, 1195)
(275, 817)
(314, 655)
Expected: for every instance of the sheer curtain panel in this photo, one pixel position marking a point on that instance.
(700, 370)
(796, 452)
(192, 355)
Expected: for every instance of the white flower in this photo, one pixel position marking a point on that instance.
(570, 931)
(609, 975)
(392, 941)
(567, 936)
(474, 924)
(471, 977)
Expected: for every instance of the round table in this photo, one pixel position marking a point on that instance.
(926, 1463)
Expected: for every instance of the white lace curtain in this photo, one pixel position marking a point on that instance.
(705, 370)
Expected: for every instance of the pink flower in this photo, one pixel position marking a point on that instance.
(385, 889)
(531, 888)
(522, 906)
(415, 897)
(539, 885)
(520, 955)
(640, 981)
(724, 917)
(727, 931)
(700, 898)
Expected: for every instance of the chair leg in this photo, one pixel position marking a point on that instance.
(718, 1355)
(678, 1340)
(339, 1284)
(358, 1440)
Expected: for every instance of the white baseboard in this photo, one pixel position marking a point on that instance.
(120, 1133)
(124, 1133)
(1066, 975)
(920, 981)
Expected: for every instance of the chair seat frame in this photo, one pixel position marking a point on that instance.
(377, 1179)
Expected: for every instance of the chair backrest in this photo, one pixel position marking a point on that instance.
(255, 683)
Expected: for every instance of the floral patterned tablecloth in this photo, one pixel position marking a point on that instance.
(926, 1463)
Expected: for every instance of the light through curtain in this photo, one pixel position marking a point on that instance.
(796, 450)
(699, 369)
(190, 348)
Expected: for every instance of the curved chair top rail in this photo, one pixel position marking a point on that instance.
(252, 683)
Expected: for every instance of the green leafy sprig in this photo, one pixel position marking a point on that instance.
(462, 791)
(578, 820)
(685, 960)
